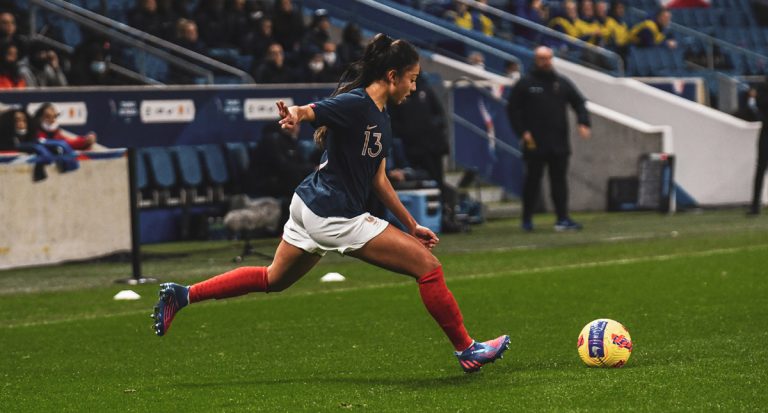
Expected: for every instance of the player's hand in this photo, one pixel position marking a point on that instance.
(425, 236)
(585, 132)
(528, 141)
(289, 116)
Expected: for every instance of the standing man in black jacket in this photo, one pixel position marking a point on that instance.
(537, 111)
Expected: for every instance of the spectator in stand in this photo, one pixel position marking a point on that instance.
(536, 12)
(241, 21)
(288, 26)
(273, 69)
(10, 77)
(9, 33)
(566, 21)
(91, 64)
(257, 42)
(512, 70)
(351, 47)
(215, 30)
(147, 17)
(278, 163)
(331, 59)
(47, 127)
(14, 129)
(618, 26)
(470, 20)
(654, 32)
(477, 60)
(319, 33)
(16, 136)
(316, 70)
(588, 25)
(41, 68)
(187, 36)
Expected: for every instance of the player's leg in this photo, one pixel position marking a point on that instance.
(534, 170)
(289, 265)
(402, 253)
(292, 260)
(558, 182)
(558, 170)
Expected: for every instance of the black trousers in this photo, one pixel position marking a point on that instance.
(762, 165)
(557, 164)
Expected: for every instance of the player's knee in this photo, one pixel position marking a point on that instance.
(429, 265)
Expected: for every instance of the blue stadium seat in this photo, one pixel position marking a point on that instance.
(733, 18)
(190, 171)
(162, 175)
(215, 167)
(238, 162)
(146, 197)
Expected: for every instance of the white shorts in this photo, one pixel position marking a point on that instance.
(319, 235)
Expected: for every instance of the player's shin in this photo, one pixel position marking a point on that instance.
(443, 308)
(237, 282)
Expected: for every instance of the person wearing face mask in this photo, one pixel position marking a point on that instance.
(89, 64)
(537, 110)
(14, 129)
(317, 71)
(10, 78)
(48, 129)
(41, 68)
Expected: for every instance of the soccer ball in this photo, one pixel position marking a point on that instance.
(604, 343)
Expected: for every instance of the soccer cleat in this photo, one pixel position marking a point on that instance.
(173, 297)
(480, 354)
(567, 225)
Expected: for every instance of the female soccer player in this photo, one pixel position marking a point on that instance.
(327, 212)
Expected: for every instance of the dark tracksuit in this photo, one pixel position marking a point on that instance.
(762, 148)
(537, 104)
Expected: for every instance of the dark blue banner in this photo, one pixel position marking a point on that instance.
(149, 116)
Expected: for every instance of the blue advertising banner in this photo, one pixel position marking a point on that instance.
(149, 116)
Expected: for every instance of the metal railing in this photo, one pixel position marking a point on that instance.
(175, 55)
(345, 11)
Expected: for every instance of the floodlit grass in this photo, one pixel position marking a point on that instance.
(691, 289)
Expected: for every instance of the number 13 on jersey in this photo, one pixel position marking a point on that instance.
(377, 144)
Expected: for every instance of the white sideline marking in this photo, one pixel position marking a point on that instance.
(593, 264)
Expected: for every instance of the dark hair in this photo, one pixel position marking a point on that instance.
(8, 129)
(381, 55)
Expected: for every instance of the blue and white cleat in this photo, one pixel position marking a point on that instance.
(480, 354)
(173, 297)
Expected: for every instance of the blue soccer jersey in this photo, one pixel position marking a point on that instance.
(359, 136)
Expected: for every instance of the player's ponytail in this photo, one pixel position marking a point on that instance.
(381, 55)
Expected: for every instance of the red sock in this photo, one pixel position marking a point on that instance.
(239, 281)
(443, 307)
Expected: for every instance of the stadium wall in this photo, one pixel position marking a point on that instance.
(715, 152)
(68, 216)
(618, 141)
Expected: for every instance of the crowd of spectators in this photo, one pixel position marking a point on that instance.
(272, 34)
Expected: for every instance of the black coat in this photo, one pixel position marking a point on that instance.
(538, 103)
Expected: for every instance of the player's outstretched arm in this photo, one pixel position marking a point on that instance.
(290, 116)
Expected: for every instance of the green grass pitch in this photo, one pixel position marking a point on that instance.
(692, 289)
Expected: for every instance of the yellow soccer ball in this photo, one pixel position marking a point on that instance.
(604, 343)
